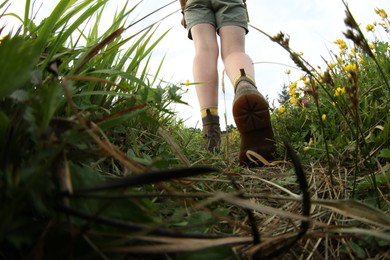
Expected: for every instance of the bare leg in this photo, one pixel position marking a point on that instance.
(233, 52)
(205, 72)
(205, 69)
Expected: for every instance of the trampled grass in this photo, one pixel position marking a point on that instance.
(94, 164)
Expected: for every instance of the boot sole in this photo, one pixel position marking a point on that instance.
(252, 118)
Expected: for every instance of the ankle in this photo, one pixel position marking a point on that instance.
(210, 119)
(209, 111)
(243, 80)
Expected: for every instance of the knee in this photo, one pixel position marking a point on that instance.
(207, 48)
(207, 54)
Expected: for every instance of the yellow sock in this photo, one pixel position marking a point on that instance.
(239, 76)
(213, 111)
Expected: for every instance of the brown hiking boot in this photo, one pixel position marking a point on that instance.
(252, 117)
(211, 132)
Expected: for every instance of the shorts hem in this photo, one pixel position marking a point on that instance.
(192, 25)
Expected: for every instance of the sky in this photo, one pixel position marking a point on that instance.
(312, 25)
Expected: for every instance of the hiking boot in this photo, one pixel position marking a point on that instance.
(252, 117)
(211, 131)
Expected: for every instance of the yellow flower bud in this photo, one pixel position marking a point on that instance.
(281, 110)
(382, 13)
(350, 67)
(339, 91)
(342, 44)
(370, 27)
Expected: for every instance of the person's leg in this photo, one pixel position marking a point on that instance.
(205, 64)
(233, 52)
(250, 109)
(205, 73)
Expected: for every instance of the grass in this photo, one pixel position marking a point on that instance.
(94, 163)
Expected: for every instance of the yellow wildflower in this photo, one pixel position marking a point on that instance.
(281, 110)
(350, 67)
(292, 88)
(234, 135)
(339, 91)
(294, 84)
(334, 104)
(293, 100)
(288, 72)
(382, 13)
(187, 83)
(306, 81)
(323, 117)
(372, 46)
(340, 60)
(342, 44)
(370, 27)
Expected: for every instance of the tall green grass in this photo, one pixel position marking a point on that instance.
(77, 106)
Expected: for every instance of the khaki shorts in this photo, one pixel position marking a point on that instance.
(219, 13)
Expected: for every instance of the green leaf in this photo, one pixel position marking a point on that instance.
(115, 121)
(17, 60)
(200, 221)
(72, 28)
(26, 13)
(3, 3)
(380, 179)
(50, 98)
(357, 250)
(50, 23)
(384, 153)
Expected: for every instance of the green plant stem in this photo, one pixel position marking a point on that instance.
(382, 74)
(330, 169)
(356, 152)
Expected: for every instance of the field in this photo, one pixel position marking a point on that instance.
(94, 163)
